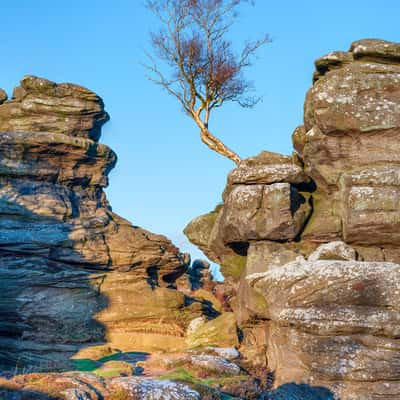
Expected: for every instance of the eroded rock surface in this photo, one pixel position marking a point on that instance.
(349, 145)
(317, 235)
(39, 105)
(147, 389)
(335, 324)
(73, 273)
(333, 251)
(84, 386)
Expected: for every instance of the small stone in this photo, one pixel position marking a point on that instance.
(333, 251)
(194, 325)
(95, 352)
(214, 364)
(267, 174)
(263, 255)
(229, 353)
(292, 391)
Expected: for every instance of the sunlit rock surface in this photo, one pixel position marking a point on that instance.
(73, 273)
(317, 234)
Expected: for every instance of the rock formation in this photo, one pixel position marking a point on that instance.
(73, 274)
(310, 243)
(85, 386)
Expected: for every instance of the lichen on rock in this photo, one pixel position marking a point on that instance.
(316, 300)
(70, 266)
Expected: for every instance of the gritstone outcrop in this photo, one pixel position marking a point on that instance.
(310, 243)
(73, 274)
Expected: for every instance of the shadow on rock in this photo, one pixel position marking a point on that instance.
(72, 272)
(47, 303)
(13, 394)
(293, 391)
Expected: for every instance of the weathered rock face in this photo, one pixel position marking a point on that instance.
(334, 323)
(331, 320)
(350, 147)
(39, 105)
(263, 212)
(84, 386)
(72, 272)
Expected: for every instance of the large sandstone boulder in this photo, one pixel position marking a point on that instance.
(39, 105)
(334, 324)
(257, 212)
(268, 168)
(349, 144)
(261, 201)
(72, 272)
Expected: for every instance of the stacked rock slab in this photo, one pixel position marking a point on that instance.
(334, 324)
(73, 273)
(350, 147)
(325, 316)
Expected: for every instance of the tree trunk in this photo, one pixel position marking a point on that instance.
(215, 144)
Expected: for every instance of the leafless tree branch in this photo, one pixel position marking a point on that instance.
(197, 64)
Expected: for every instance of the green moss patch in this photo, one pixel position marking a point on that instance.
(85, 365)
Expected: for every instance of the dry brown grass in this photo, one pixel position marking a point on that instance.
(120, 394)
(44, 383)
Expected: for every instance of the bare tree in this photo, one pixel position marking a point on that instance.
(203, 72)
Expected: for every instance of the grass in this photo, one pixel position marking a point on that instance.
(182, 374)
(107, 373)
(106, 367)
(85, 365)
(42, 383)
(119, 394)
(88, 365)
(112, 357)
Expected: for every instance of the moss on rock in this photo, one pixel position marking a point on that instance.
(220, 332)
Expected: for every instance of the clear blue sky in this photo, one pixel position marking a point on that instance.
(165, 176)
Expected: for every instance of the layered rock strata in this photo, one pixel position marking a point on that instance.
(311, 241)
(73, 273)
